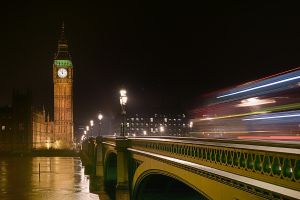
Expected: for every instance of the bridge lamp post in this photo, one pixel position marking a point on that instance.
(100, 117)
(84, 135)
(123, 101)
(92, 124)
(191, 124)
(87, 128)
(82, 138)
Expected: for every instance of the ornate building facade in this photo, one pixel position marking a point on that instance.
(42, 130)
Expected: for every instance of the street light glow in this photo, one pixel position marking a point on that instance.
(84, 132)
(100, 117)
(92, 122)
(123, 97)
(87, 128)
(123, 100)
(161, 129)
(123, 92)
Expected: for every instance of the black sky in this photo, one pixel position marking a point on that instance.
(166, 53)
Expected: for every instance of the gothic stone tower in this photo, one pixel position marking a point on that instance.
(63, 95)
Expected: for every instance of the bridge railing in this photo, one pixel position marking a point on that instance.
(273, 163)
(110, 140)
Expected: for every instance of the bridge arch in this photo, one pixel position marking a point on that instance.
(110, 171)
(158, 184)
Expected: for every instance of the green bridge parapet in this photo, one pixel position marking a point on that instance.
(268, 170)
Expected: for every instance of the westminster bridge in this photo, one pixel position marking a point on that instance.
(184, 168)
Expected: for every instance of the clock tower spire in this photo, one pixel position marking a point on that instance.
(63, 95)
(62, 50)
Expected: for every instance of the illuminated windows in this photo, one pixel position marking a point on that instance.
(152, 124)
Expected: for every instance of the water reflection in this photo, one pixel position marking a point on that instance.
(59, 178)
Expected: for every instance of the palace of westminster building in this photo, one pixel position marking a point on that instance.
(24, 127)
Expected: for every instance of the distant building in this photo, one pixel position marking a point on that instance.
(15, 123)
(24, 127)
(157, 125)
(6, 128)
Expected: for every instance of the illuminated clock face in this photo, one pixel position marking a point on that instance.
(62, 73)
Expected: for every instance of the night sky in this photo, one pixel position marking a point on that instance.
(165, 53)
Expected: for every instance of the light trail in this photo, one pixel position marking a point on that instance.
(258, 87)
(271, 117)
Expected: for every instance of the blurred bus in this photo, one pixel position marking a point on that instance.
(267, 108)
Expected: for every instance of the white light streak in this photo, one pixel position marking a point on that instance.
(258, 87)
(272, 117)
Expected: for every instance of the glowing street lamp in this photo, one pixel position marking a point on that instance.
(123, 102)
(191, 124)
(87, 128)
(92, 124)
(161, 129)
(123, 98)
(100, 117)
(84, 132)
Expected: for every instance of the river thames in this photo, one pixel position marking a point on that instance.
(51, 178)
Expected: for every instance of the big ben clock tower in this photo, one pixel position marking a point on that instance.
(63, 95)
